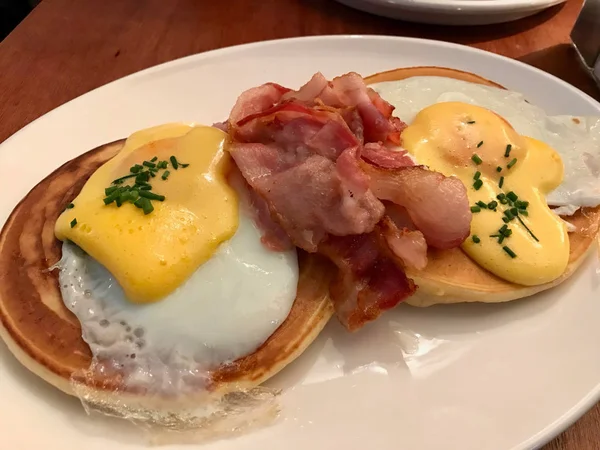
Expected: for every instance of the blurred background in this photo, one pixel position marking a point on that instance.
(12, 12)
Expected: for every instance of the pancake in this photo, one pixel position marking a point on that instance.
(46, 337)
(451, 276)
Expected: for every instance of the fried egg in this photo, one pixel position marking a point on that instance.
(575, 139)
(226, 293)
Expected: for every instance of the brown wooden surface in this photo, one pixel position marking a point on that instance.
(65, 48)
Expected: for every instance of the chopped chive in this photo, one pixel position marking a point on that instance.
(183, 165)
(503, 229)
(471, 122)
(501, 196)
(475, 209)
(118, 202)
(477, 185)
(514, 211)
(135, 169)
(144, 204)
(152, 196)
(476, 239)
(509, 251)
(507, 151)
(174, 162)
(165, 174)
(481, 204)
(154, 159)
(149, 164)
(480, 144)
(501, 182)
(512, 196)
(521, 204)
(142, 177)
(523, 212)
(145, 187)
(70, 206)
(120, 180)
(112, 197)
(512, 163)
(110, 190)
(133, 195)
(152, 174)
(505, 219)
(501, 239)
(492, 205)
(73, 223)
(528, 230)
(509, 215)
(477, 175)
(476, 159)
(498, 169)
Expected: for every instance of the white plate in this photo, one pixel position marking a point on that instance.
(469, 377)
(453, 12)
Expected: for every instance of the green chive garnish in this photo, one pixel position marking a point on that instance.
(509, 251)
(498, 169)
(492, 205)
(512, 196)
(521, 204)
(507, 151)
(480, 144)
(154, 159)
(505, 219)
(509, 215)
(528, 230)
(503, 229)
(112, 197)
(165, 174)
(149, 164)
(152, 196)
(477, 185)
(512, 163)
(476, 239)
(174, 162)
(475, 209)
(477, 175)
(471, 122)
(142, 177)
(144, 187)
(523, 212)
(120, 180)
(73, 223)
(481, 204)
(70, 206)
(476, 159)
(514, 211)
(183, 165)
(135, 169)
(110, 190)
(162, 165)
(501, 182)
(144, 204)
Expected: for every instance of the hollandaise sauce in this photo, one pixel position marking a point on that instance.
(514, 234)
(157, 210)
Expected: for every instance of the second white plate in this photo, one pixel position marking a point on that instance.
(453, 12)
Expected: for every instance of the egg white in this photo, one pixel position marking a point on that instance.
(576, 139)
(225, 310)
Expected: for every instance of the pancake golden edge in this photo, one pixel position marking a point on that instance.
(451, 276)
(46, 337)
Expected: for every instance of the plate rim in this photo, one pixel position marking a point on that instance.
(465, 6)
(569, 417)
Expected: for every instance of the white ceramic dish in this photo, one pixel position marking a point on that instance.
(470, 377)
(453, 12)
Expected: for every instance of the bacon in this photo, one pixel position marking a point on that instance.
(379, 155)
(273, 236)
(408, 245)
(437, 205)
(368, 281)
(319, 163)
(255, 100)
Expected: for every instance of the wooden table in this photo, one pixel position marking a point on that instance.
(68, 47)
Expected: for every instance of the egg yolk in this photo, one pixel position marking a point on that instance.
(513, 232)
(152, 254)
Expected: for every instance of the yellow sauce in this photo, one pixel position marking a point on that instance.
(446, 136)
(151, 255)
